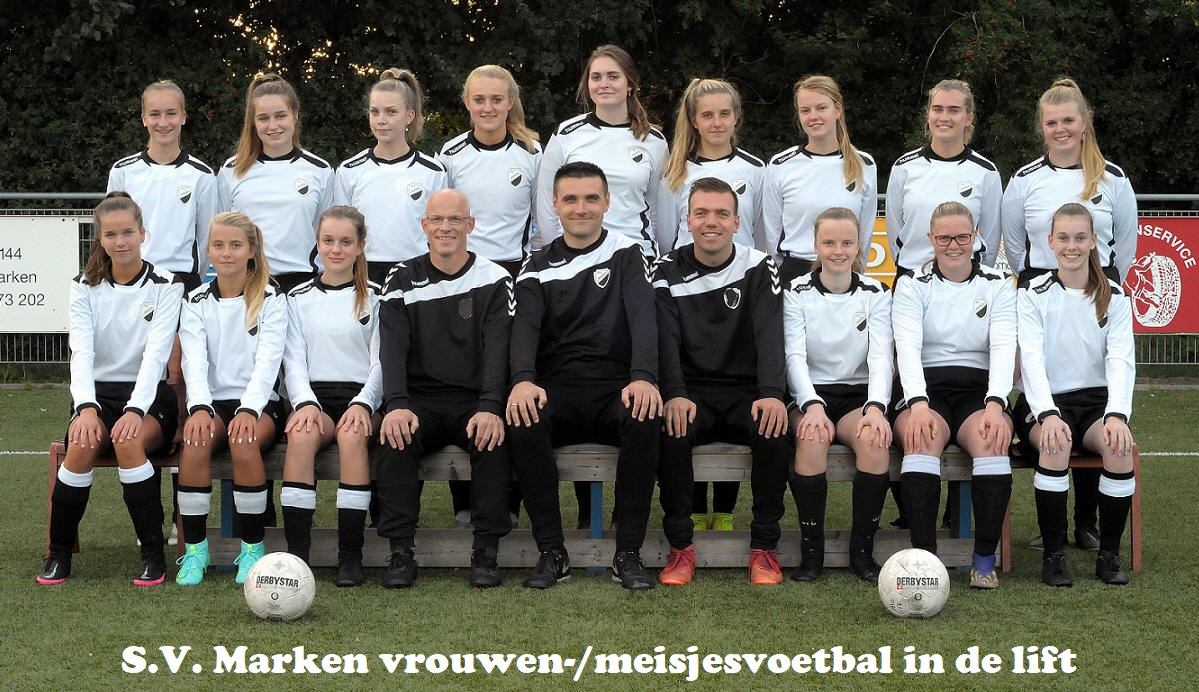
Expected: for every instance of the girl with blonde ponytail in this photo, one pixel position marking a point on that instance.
(391, 181)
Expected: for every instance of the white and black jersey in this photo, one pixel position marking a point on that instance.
(391, 194)
(940, 323)
(1040, 188)
(744, 172)
(123, 333)
(800, 185)
(177, 200)
(633, 168)
(838, 338)
(1064, 347)
(586, 315)
(442, 334)
(719, 327)
(921, 180)
(223, 359)
(285, 197)
(500, 181)
(328, 343)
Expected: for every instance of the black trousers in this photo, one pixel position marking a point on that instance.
(578, 413)
(724, 415)
(443, 422)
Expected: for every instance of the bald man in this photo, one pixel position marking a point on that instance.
(444, 324)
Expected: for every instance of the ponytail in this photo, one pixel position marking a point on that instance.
(1094, 166)
(686, 138)
(852, 168)
(515, 122)
(249, 146)
(404, 83)
(258, 272)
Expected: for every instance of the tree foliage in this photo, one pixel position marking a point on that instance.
(75, 70)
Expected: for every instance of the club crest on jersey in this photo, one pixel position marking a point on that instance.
(859, 320)
(853, 185)
(364, 317)
(638, 154)
(515, 177)
(601, 276)
(732, 297)
(416, 191)
(1030, 418)
(1103, 322)
(185, 193)
(302, 186)
(740, 186)
(1097, 199)
(980, 307)
(965, 188)
(253, 330)
(466, 307)
(148, 312)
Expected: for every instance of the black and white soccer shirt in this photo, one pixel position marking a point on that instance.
(800, 185)
(328, 342)
(744, 172)
(1040, 188)
(177, 200)
(284, 197)
(123, 333)
(921, 180)
(633, 168)
(1064, 347)
(445, 334)
(719, 326)
(585, 317)
(391, 194)
(838, 338)
(500, 181)
(223, 359)
(940, 323)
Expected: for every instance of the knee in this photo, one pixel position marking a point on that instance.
(351, 441)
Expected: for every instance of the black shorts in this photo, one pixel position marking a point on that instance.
(226, 409)
(955, 393)
(334, 397)
(1079, 410)
(113, 397)
(842, 399)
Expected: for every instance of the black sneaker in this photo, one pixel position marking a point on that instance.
(154, 572)
(484, 572)
(629, 570)
(401, 570)
(1086, 539)
(810, 566)
(1107, 568)
(862, 564)
(349, 573)
(1054, 571)
(553, 567)
(56, 570)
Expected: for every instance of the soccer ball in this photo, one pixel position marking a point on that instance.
(913, 583)
(279, 587)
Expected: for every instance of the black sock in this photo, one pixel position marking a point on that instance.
(811, 500)
(1051, 512)
(144, 502)
(921, 500)
(869, 494)
(1113, 513)
(990, 496)
(67, 504)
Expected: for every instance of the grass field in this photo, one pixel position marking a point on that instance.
(73, 635)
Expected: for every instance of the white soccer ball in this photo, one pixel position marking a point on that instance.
(279, 587)
(913, 583)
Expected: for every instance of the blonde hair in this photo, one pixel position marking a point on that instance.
(638, 118)
(1065, 91)
(164, 85)
(968, 97)
(686, 138)
(1098, 289)
(258, 272)
(515, 122)
(249, 146)
(403, 82)
(99, 263)
(355, 217)
(839, 214)
(853, 169)
(950, 208)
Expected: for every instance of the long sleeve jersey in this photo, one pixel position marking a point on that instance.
(744, 172)
(921, 180)
(941, 323)
(838, 338)
(123, 333)
(177, 199)
(1063, 347)
(328, 342)
(440, 333)
(585, 316)
(719, 326)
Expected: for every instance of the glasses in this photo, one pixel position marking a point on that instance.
(960, 239)
(453, 220)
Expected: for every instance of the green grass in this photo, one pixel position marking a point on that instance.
(74, 635)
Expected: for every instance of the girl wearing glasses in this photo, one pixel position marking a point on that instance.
(955, 341)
